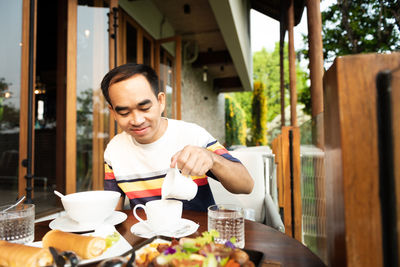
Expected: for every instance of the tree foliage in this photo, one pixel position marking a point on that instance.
(9, 115)
(235, 123)
(266, 70)
(259, 115)
(360, 26)
(244, 100)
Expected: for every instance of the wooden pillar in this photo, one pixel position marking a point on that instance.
(315, 55)
(70, 142)
(112, 125)
(282, 64)
(178, 69)
(292, 65)
(23, 118)
(316, 66)
(282, 70)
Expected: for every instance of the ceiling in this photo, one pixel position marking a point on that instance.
(272, 8)
(194, 20)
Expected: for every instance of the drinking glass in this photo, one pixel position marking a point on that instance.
(17, 224)
(228, 220)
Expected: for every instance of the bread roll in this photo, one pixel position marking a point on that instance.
(16, 255)
(86, 247)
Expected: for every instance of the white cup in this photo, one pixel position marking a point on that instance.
(161, 214)
(178, 186)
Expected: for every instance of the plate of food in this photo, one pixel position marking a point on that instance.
(199, 251)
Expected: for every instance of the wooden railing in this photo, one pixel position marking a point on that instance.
(286, 147)
(354, 198)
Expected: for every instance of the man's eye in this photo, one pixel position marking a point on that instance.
(123, 113)
(145, 108)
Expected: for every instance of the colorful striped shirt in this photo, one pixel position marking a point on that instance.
(138, 170)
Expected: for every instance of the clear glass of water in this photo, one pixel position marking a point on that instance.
(17, 225)
(228, 220)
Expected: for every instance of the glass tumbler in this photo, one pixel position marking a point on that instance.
(228, 220)
(17, 225)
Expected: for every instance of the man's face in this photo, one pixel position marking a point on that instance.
(137, 110)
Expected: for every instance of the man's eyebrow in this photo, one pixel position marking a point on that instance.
(119, 108)
(144, 102)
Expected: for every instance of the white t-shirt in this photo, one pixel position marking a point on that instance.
(138, 170)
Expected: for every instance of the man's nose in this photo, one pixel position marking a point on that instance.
(136, 119)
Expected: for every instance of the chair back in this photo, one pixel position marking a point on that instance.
(254, 202)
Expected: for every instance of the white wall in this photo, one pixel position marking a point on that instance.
(201, 104)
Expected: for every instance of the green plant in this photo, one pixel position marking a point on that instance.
(235, 123)
(259, 114)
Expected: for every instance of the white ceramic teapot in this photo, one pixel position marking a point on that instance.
(178, 186)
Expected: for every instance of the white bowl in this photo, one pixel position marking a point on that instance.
(90, 207)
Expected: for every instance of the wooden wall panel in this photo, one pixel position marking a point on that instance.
(291, 190)
(353, 208)
(296, 187)
(289, 193)
(287, 207)
(396, 143)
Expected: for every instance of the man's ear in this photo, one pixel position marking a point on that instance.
(161, 101)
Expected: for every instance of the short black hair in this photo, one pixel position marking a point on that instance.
(126, 71)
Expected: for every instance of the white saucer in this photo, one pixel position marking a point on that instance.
(66, 224)
(185, 227)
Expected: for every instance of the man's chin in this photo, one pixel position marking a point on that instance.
(141, 139)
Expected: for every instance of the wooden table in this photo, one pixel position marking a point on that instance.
(278, 248)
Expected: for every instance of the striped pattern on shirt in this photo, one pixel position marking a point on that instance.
(148, 186)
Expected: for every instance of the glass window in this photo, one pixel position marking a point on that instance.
(167, 82)
(45, 107)
(92, 113)
(146, 51)
(10, 83)
(131, 44)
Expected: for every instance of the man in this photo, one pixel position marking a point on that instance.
(137, 160)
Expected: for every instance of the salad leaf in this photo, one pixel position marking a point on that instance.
(224, 261)
(190, 247)
(210, 261)
(207, 237)
(112, 239)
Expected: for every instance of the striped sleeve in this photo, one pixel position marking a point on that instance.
(219, 149)
(110, 183)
